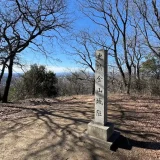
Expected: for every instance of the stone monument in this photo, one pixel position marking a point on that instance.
(100, 128)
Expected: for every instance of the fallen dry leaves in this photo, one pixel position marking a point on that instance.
(137, 118)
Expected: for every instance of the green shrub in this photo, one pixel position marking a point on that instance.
(36, 82)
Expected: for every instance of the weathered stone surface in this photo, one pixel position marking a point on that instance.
(99, 128)
(100, 131)
(101, 87)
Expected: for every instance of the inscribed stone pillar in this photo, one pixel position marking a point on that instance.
(100, 128)
(101, 87)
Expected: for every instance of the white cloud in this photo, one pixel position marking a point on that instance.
(55, 69)
(19, 70)
(65, 69)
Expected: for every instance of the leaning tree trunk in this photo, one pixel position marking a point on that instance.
(1, 75)
(8, 81)
(2, 71)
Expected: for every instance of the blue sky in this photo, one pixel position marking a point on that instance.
(58, 60)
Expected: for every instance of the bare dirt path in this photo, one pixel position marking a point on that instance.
(53, 129)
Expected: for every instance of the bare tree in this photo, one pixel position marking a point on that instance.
(136, 48)
(83, 52)
(3, 63)
(113, 16)
(150, 23)
(22, 21)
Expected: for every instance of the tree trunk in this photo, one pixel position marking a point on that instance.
(138, 71)
(2, 71)
(119, 66)
(93, 88)
(138, 76)
(129, 81)
(129, 85)
(8, 81)
(1, 76)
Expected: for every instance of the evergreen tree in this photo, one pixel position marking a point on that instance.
(37, 82)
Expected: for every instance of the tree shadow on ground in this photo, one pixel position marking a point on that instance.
(61, 137)
(137, 122)
(64, 127)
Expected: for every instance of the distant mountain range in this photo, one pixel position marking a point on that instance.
(14, 75)
(20, 74)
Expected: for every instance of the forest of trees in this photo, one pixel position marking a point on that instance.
(128, 29)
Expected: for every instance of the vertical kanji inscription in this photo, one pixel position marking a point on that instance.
(101, 87)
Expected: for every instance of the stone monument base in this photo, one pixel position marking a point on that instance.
(99, 131)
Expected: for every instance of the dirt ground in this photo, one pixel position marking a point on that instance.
(54, 129)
